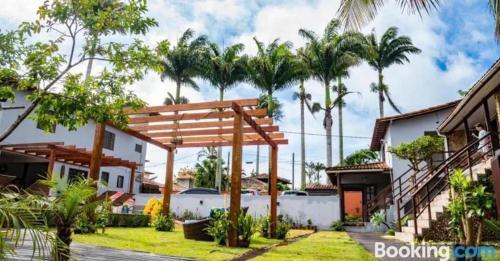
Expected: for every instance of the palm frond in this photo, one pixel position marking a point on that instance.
(391, 102)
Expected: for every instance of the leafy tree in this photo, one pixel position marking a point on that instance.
(282, 187)
(182, 63)
(391, 49)
(205, 174)
(327, 58)
(419, 150)
(223, 69)
(362, 156)
(305, 100)
(58, 92)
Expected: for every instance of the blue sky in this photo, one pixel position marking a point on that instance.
(457, 44)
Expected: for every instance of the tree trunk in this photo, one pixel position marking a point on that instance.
(257, 163)
(328, 125)
(302, 141)
(64, 233)
(177, 92)
(218, 175)
(341, 127)
(381, 94)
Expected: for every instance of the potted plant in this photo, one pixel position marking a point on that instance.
(246, 229)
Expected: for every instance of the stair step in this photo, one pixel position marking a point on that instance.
(405, 237)
(424, 223)
(411, 230)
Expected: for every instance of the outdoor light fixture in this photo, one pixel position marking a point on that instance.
(176, 141)
(201, 202)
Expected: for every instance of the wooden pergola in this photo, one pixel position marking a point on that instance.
(70, 154)
(233, 123)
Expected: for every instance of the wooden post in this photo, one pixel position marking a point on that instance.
(169, 182)
(95, 161)
(132, 177)
(468, 137)
(491, 128)
(50, 167)
(497, 106)
(235, 201)
(274, 190)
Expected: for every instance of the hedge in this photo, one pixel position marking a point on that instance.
(129, 220)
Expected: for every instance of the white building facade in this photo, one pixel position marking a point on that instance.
(27, 169)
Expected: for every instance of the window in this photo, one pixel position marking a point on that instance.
(75, 174)
(61, 172)
(119, 182)
(105, 177)
(109, 140)
(138, 148)
(52, 128)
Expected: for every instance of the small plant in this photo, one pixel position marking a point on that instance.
(103, 213)
(337, 226)
(164, 223)
(219, 227)
(265, 222)
(390, 232)
(379, 219)
(282, 228)
(246, 229)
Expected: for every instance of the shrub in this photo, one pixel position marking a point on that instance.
(337, 226)
(153, 208)
(282, 228)
(264, 226)
(219, 227)
(164, 222)
(390, 232)
(103, 212)
(378, 218)
(83, 225)
(129, 220)
(246, 227)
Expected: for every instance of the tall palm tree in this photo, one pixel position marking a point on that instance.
(354, 14)
(339, 102)
(182, 63)
(223, 69)
(305, 100)
(274, 68)
(328, 57)
(391, 49)
(170, 100)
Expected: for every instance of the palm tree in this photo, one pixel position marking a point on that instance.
(342, 92)
(305, 100)
(362, 156)
(391, 49)
(182, 63)
(170, 100)
(71, 202)
(223, 69)
(274, 68)
(327, 58)
(354, 14)
(314, 171)
(205, 174)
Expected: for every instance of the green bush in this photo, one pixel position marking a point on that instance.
(219, 227)
(390, 232)
(282, 228)
(337, 226)
(264, 226)
(164, 223)
(129, 220)
(246, 227)
(84, 226)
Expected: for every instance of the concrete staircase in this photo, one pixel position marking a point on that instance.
(438, 206)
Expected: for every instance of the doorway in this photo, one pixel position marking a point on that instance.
(353, 206)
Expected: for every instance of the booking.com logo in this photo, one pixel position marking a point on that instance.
(428, 251)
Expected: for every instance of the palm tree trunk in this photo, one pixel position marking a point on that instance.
(328, 124)
(64, 241)
(177, 92)
(302, 141)
(257, 163)
(218, 175)
(341, 126)
(380, 94)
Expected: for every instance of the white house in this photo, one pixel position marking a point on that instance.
(28, 168)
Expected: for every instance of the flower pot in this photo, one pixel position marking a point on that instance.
(243, 243)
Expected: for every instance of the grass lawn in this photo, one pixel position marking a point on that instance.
(324, 245)
(169, 243)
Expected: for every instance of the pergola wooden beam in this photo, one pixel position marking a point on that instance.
(194, 116)
(144, 128)
(246, 137)
(201, 132)
(248, 119)
(193, 106)
(229, 143)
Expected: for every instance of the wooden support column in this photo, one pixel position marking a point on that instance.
(95, 161)
(497, 106)
(169, 181)
(50, 167)
(131, 183)
(489, 126)
(468, 137)
(235, 200)
(274, 190)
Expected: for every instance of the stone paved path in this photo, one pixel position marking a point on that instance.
(97, 253)
(367, 240)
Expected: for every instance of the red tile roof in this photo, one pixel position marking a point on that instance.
(381, 124)
(320, 187)
(265, 178)
(377, 166)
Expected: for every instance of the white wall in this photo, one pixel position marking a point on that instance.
(83, 137)
(322, 210)
(407, 130)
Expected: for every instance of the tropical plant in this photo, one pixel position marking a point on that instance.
(327, 58)
(165, 223)
(21, 217)
(71, 202)
(470, 202)
(265, 223)
(337, 226)
(182, 63)
(103, 214)
(170, 100)
(246, 228)
(205, 174)
(378, 218)
(314, 171)
(391, 49)
(59, 94)
(223, 69)
(282, 187)
(419, 150)
(282, 228)
(305, 100)
(207, 153)
(219, 227)
(362, 156)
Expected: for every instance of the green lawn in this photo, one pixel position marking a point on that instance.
(324, 245)
(169, 243)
